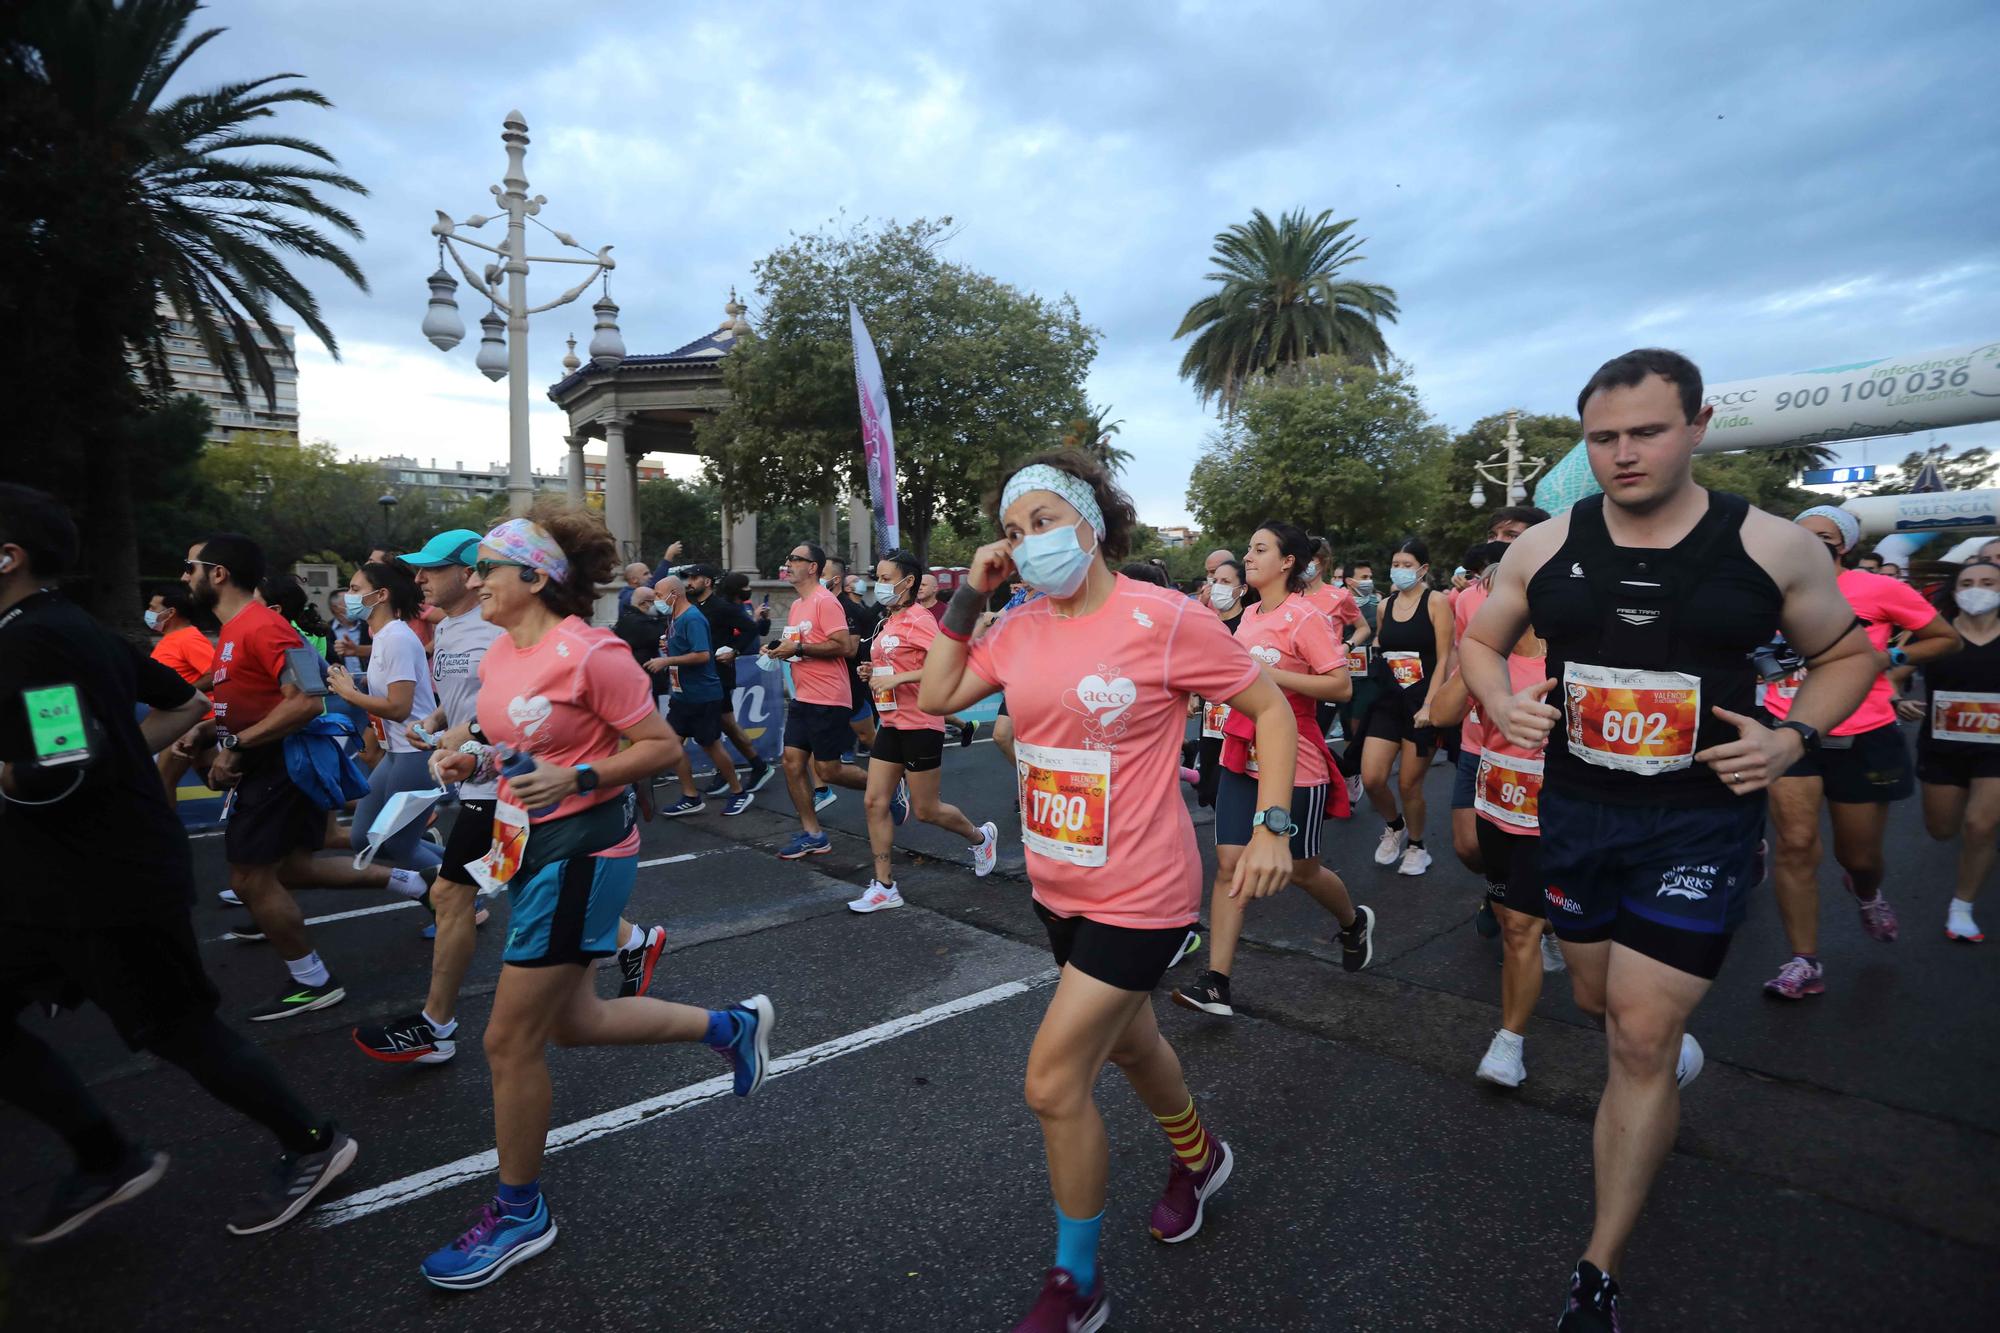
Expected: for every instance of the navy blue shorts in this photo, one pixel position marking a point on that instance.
(1236, 804)
(1668, 882)
(1465, 780)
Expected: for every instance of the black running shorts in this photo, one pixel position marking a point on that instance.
(1115, 955)
(1513, 868)
(917, 749)
(1873, 770)
(269, 817)
(471, 838)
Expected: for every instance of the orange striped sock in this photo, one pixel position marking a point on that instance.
(1187, 1137)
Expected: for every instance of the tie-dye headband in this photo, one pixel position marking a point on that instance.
(529, 543)
(1042, 477)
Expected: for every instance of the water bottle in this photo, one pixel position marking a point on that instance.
(514, 763)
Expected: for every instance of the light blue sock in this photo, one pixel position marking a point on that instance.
(1076, 1247)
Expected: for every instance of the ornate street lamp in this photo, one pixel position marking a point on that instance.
(388, 502)
(1506, 469)
(507, 357)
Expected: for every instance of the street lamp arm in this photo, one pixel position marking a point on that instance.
(591, 260)
(478, 283)
(566, 297)
(500, 250)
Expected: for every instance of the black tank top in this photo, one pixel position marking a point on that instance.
(1699, 608)
(1974, 669)
(1415, 635)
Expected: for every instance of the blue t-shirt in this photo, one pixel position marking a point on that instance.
(699, 682)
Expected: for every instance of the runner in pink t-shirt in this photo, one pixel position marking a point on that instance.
(1097, 676)
(1300, 649)
(1857, 769)
(568, 697)
(907, 763)
(817, 643)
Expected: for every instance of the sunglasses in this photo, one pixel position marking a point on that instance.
(484, 568)
(188, 566)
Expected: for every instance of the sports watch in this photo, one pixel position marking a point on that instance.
(1276, 820)
(228, 741)
(1898, 657)
(1808, 735)
(586, 779)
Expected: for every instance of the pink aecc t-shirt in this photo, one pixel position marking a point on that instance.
(1299, 638)
(815, 618)
(1885, 606)
(1099, 703)
(1337, 605)
(902, 644)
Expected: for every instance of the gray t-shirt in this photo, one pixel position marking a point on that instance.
(460, 645)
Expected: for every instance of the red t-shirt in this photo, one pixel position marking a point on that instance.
(1885, 605)
(1298, 638)
(937, 611)
(249, 660)
(1099, 704)
(815, 618)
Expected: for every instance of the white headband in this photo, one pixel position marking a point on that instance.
(1850, 527)
(1042, 477)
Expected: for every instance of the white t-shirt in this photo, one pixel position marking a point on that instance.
(461, 644)
(399, 655)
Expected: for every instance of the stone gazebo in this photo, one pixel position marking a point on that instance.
(647, 405)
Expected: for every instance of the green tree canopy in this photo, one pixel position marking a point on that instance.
(1967, 470)
(979, 374)
(1280, 298)
(672, 510)
(1343, 450)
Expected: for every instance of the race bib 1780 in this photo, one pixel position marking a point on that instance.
(1065, 802)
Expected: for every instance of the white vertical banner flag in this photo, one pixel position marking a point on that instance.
(878, 437)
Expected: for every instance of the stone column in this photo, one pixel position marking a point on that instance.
(739, 543)
(618, 488)
(575, 469)
(632, 497)
(828, 526)
(860, 536)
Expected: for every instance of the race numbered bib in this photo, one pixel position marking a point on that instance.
(1788, 688)
(1213, 715)
(1407, 668)
(1065, 802)
(793, 633)
(1357, 660)
(885, 695)
(1634, 721)
(1509, 791)
(510, 843)
(1965, 717)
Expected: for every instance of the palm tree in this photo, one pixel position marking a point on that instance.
(1091, 432)
(1281, 299)
(146, 202)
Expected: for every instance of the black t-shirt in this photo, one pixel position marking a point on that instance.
(862, 622)
(641, 631)
(113, 847)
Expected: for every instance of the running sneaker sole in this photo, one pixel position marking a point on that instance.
(342, 1159)
(326, 1001)
(130, 1190)
(1203, 1195)
(822, 802)
(767, 1016)
(244, 935)
(524, 1251)
(432, 1055)
(1419, 872)
(820, 850)
(864, 908)
(1186, 1001)
(763, 776)
(1951, 934)
(676, 811)
(1810, 988)
(1691, 1049)
(1494, 1074)
(1188, 946)
(656, 946)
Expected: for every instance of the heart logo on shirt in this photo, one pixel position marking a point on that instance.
(529, 714)
(1108, 699)
(890, 642)
(1266, 654)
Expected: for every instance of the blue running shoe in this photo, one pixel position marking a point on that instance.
(686, 805)
(719, 787)
(739, 802)
(750, 1053)
(494, 1244)
(823, 797)
(848, 756)
(899, 803)
(805, 844)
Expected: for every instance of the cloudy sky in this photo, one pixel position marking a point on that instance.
(1768, 187)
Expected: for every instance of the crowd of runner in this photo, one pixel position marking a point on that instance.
(1644, 700)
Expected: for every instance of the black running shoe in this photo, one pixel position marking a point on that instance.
(635, 966)
(246, 931)
(409, 1040)
(1593, 1302)
(1209, 994)
(1357, 942)
(84, 1194)
(302, 999)
(966, 732)
(760, 773)
(293, 1184)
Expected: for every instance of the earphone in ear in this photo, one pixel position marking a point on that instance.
(527, 575)
(6, 563)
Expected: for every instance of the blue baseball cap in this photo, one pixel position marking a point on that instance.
(460, 546)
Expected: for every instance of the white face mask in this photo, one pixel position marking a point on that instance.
(1312, 570)
(152, 619)
(1222, 596)
(1978, 601)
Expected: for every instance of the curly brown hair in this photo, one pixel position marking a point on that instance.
(1121, 519)
(593, 555)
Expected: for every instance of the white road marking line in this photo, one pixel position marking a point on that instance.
(425, 1183)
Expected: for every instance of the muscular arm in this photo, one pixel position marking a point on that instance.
(295, 710)
(1815, 619)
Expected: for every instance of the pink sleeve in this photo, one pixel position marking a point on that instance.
(1905, 607)
(1345, 610)
(1204, 658)
(1318, 644)
(828, 616)
(918, 632)
(617, 686)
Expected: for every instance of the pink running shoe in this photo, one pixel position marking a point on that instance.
(1190, 776)
(1062, 1308)
(1877, 917)
(1796, 980)
(1177, 1215)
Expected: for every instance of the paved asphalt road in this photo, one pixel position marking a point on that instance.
(1836, 1169)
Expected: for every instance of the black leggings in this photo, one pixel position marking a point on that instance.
(235, 1073)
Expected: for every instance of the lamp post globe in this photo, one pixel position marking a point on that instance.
(388, 502)
(1478, 496)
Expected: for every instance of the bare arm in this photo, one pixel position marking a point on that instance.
(1335, 686)
(1266, 864)
(947, 686)
(293, 711)
(163, 726)
(1497, 626)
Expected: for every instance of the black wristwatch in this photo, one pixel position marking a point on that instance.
(227, 741)
(586, 779)
(1809, 735)
(1276, 820)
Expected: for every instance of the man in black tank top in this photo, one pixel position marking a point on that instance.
(1651, 598)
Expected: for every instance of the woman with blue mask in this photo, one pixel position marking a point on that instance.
(399, 691)
(1413, 653)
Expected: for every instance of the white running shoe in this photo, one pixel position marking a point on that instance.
(877, 899)
(987, 854)
(229, 896)
(1391, 846)
(1416, 860)
(1552, 954)
(1502, 1063)
(1689, 1067)
(1355, 791)
(1188, 946)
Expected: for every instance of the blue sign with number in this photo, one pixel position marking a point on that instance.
(1837, 476)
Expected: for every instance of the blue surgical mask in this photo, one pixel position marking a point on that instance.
(658, 608)
(1312, 570)
(1053, 562)
(152, 618)
(1364, 586)
(355, 604)
(1404, 579)
(864, 591)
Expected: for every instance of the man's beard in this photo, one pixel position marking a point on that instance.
(204, 596)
